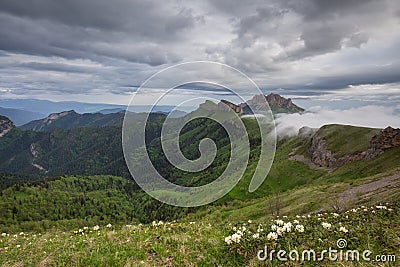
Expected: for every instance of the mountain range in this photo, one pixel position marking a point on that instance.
(35, 158)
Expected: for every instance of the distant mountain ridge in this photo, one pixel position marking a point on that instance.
(277, 104)
(19, 116)
(70, 119)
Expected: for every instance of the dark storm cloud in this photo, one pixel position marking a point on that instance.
(146, 19)
(309, 46)
(135, 31)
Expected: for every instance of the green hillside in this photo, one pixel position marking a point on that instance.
(73, 120)
(58, 206)
(346, 139)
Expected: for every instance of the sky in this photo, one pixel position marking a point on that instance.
(340, 54)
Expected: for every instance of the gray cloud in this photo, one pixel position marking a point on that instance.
(135, 31)
(367, 116)
(308, 47)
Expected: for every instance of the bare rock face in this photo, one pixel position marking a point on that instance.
(5, 125)
(275, 100)
(226, 104)
(277, 103)
(386, 138)
(306, 132)
(321, 156)
(55, 116)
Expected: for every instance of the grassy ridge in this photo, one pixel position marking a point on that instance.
(346, 139)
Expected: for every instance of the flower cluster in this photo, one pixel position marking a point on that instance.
(279, 228)
(285, 229)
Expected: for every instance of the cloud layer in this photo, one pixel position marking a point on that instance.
(106, 48)
(367, 116)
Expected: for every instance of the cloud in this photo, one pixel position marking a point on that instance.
(308, 48)
(135, 31)
(367, 116)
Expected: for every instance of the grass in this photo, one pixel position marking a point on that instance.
(197, 239)
(201, 243)
(345, 139)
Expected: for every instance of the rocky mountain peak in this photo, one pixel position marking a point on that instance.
(6, 125)
(277, 103)
(55, 116)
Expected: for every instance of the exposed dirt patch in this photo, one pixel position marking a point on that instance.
(368, 190)
(308, 162)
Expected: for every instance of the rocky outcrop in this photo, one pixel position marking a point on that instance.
(319, 152)
(55, 116)
(386, 138)
(277, 103)
(5, 125)
(322, 156)
(258, 103)
(306, 132)
(35, 155)
(224, 103)
(40, 125)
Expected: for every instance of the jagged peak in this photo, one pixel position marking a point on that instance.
(6, 125)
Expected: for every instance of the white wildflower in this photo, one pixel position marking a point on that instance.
(108, 225)
(296, 222)
(236, 238)
(228, 240)
(326, 225)
(280, 230)
(3, 234)
(279, 222)
(272, 236)
(249, 221)
(273, 227)
(343, 229)
(96, 228)
(257, 235)
(287, 227)
(300, 228)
